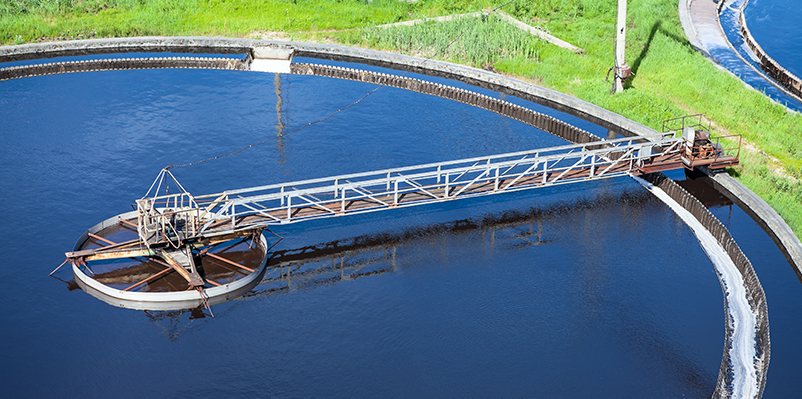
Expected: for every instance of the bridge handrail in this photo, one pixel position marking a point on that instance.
(341, 181)
(433, 174)
(702, 122)
(385, 188)
(659, 137)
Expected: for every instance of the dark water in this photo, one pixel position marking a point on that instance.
(775, 25)
(585, 290)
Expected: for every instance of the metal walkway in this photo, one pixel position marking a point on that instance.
(183, 217)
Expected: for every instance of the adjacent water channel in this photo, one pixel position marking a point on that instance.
(594, 289)
(775, 26)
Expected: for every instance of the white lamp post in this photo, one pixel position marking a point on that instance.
(621, 68)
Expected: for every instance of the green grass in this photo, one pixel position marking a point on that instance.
(469, 40)
(671, 78)
(32, 20)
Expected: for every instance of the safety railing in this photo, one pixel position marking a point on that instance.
(716, 149)
(249, 208)
(168, 218)
(696, 121)
(701, 146)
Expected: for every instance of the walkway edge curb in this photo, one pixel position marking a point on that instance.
(473, 76)
(765, 216)
(684, 11)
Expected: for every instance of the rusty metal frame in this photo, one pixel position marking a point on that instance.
(700, 157)
(696, 155)
(240, 210)
(702, 122)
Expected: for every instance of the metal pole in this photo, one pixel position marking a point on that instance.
(545, 171)
(620, 43)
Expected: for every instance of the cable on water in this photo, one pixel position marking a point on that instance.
(167, 168)
(443, 50)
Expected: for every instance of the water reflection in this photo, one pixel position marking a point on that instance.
(352, 258)
(174, 323)
(701, 187)
(281, 149)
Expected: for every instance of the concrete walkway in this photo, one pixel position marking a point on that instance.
(704, 18)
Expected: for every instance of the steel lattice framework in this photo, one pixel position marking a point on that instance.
(184, 217)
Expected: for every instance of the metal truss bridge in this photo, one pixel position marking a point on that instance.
(182, 217)
(172, 226)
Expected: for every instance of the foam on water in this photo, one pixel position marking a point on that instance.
(742, 342)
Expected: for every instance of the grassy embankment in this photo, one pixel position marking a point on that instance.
(671, 78)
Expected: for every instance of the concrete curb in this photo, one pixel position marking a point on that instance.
(684, 11)
(473, 76)
(765, 216)
(539, 32)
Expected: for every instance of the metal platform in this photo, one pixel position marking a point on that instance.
(124, 287)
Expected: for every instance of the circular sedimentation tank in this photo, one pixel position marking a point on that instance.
(229, 269)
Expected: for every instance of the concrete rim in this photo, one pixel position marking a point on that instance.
(774, 225)
(472, 76)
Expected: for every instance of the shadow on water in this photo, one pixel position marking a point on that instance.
(701, 187)
(349, 259)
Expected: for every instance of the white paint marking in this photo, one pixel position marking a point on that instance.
(273, 66)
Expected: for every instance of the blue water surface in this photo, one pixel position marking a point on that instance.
(590, 290)
(775, 26)
(741, 61)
